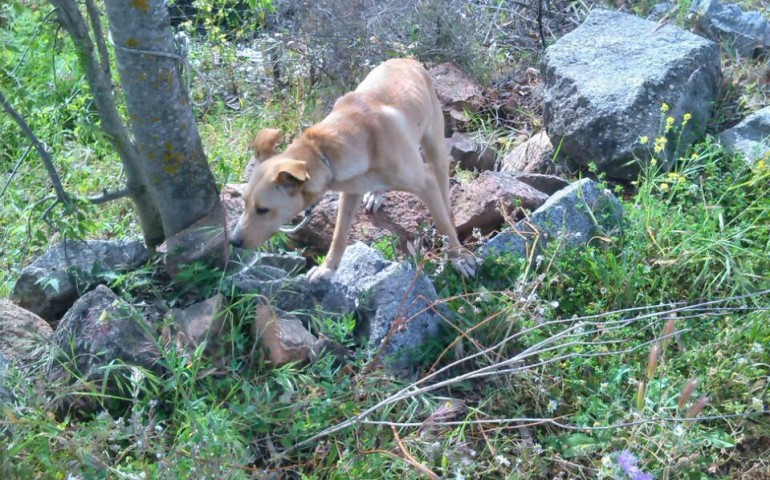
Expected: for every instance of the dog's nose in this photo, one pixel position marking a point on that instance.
(236, 242)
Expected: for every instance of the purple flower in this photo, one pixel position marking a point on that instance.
(627, 462)
(640, 475)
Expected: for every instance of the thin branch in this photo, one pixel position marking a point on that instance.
(61, 195)
(15, 169)
(553, 421)
(109, 196)
(96, 25)
(412, 390)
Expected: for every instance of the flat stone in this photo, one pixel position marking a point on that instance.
(52, 283)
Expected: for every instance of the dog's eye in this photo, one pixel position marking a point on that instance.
(262, 210)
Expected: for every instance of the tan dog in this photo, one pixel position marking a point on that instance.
(370, 142)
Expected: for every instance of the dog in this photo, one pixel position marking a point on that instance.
(388, 134)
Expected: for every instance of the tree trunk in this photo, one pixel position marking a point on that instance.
(173, 161)
(100, 81)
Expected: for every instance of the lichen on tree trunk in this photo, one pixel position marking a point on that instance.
(173, 161)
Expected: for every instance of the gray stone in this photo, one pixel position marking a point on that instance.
(380, 293)
(22, 333)
(398, 314)
(296, 295)
(470, 154)
(607, 80)
(748, 33)
(96, 340)
(548, 184)
(660, 11)
(750, 138)
(50, 285)
(574, 215)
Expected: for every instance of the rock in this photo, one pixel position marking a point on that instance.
(397, 306)
(50, 285)
(271, 262)
(203, 322)
(750, 138)
(380, 293)
(607, 80)
(97, 339)
(21, 331)
(660, 11)
(205, 241)
(548, 184)
(578, 214)
(458, 93)
(283, 337)
(402, 216)
(746, 32)
(491, 198)
(469, 154)
(233, 202)
(533, 156)
(297, 295)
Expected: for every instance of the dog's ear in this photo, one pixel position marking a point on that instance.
(264, 143)
(291, 174)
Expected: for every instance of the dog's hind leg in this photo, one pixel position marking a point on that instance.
(346, 212)
(437, 179)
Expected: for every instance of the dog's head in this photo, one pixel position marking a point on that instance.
(274, 195)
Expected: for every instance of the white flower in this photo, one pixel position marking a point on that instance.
(679, 430)
(552, 405)
(503, 461)
(756, 347)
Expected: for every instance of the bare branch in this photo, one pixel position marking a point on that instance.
(109, 196)
(96, 25)
(61, 195)
(15, 169)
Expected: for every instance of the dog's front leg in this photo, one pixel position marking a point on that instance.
(346, 212)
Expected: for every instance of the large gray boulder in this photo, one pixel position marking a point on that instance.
(750, 138)
(52, 283)
(578, 214)
(96, 340)
(747, 33)
(398, 307)
(607, 80)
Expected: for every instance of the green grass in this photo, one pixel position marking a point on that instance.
(696, 235)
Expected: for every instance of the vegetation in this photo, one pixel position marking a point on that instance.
(648, 355)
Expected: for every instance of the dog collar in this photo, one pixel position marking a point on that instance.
(326, 162)
(306, 213)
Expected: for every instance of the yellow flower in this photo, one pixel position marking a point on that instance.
(664, 107)
(686, 118)
(653, 161)
(664, 186)
(669, 123)
(660, 144)
(643, 140)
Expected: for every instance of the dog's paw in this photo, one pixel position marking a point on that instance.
(319, 273)
(373, 201)
(465, 264)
